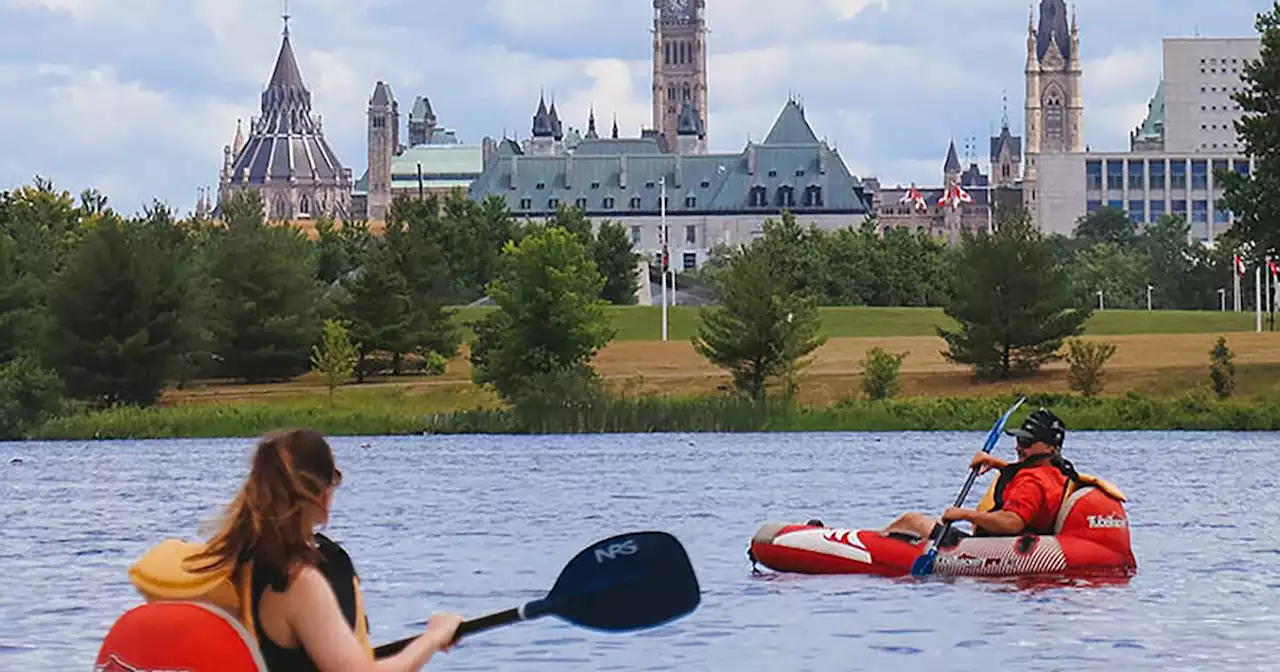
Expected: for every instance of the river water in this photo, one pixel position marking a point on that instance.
(481, 524)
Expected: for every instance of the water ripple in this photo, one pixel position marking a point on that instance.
(481, 524)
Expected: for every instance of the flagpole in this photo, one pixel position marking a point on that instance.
(662, 208)
(1235, 274)
(1257, 286)
(991, 203)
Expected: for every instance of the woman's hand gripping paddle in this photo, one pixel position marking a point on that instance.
(628, 582)
(923, 565)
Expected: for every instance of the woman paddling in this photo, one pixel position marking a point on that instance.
(305, 599)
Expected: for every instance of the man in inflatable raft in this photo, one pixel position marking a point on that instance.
(1027, 496)
(266, 593)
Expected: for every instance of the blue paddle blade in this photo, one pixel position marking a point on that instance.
(627, 582)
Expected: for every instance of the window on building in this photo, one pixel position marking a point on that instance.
(1156, 178)
(1221, 216)
(635, 203)
(664, 202)
(1157, 209)
(1138, 211)
(553, 203)
(595, 185)
(1242, 167)
(581, 203)
(773, 173)
(1092, 206)
(1179, 208)
(758, 197)
(1054, 119)
(1115, 175)
(526, 203)
(813, 196)
(1093, 175)
(786, 197)
(1199, 174)
(540, 185)
(690, 202)
(705, 184)
(691, 234)
(608, 203)
(1116, 204)
(650, 184)
(1177, 174)
(1199, 211)
(1137, 174)
(635, 236)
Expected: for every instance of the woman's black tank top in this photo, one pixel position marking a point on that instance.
(277, 658)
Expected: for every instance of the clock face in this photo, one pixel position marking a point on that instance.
(678, 5)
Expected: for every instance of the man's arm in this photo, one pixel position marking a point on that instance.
(999, 522)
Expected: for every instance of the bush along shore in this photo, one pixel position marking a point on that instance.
(646, 414)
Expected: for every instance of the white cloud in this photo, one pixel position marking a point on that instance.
(149, 96)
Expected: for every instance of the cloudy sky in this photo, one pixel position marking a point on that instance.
(138, 97)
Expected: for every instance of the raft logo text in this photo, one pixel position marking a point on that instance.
(627, 547)
(1108, 521)
(114, 664)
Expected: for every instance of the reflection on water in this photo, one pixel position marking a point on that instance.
(480, 524)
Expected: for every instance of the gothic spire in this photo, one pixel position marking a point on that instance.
(542, 126)
(615, 126)
(591, 124)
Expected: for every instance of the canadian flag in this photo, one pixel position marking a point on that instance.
(1239, 264)
(914, 197)
(954, 196)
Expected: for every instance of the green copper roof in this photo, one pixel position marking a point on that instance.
(1152, 127)
(442, 166)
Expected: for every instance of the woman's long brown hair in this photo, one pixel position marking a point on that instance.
(264, 523)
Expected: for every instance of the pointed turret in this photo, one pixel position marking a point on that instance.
(615, 127)
(1053, 29)
(237, 145)
(286, 155)
(557, 128)
(542, 126)
(952, 166)
(591, 125)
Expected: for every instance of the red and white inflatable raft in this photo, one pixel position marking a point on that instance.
(1091, 537)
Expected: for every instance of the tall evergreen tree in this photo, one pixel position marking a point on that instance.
(1255, 198)
(265, 293)
(616, 259)
(1013, 303)
(119, 314)
(416, 238)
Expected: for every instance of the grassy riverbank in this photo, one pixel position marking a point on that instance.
(644, 323)
(1154, 381)
(397, 413)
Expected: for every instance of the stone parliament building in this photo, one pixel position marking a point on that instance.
(724, 198)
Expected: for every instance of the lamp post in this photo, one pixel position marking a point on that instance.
(1100, 306)
(1149, 288)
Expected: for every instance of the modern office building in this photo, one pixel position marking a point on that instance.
(1188, 134)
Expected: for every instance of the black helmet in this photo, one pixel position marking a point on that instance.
(1042, 426)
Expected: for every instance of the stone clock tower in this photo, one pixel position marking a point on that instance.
(679, 66)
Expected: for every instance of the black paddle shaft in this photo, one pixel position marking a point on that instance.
(964, 492)
(466, 628)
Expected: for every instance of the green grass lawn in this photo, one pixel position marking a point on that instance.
(644, 323)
